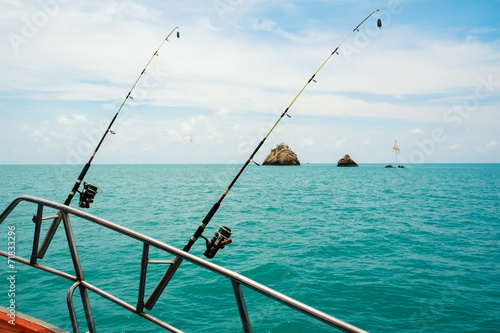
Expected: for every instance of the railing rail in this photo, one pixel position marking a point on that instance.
(236, 279)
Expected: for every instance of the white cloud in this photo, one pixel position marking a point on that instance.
(266, 25)
(491, 145)
(223, 111)
(426, 66)
(340, 143)
(417, 131)
(308, 142)
(64, 120)
(487, 147)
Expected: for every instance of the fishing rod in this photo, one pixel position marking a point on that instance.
(89, 190)
(221, 237)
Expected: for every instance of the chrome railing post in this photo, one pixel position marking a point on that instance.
(78, 271)
(50, 234)
(87, 309)
(242, 308)
(163, 283)
(36, 237)
(71, 308)
(142, 280)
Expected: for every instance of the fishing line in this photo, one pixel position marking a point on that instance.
(225, 233)
(90, 190)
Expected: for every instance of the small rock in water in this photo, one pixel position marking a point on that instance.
(346, 161)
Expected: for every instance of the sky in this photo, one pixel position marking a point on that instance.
(429, 80)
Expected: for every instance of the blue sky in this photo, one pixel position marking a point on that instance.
(430, 79)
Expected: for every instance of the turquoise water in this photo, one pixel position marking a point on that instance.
(387, 250)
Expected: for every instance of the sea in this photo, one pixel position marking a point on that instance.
(414, 249)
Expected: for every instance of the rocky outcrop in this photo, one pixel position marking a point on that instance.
(281, 155)
(346, 161)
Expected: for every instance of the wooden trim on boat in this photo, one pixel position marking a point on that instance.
(24, 324)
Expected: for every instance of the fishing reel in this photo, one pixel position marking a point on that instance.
(87, 195)
(218, 242)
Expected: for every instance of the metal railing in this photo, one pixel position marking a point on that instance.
(237, 280)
